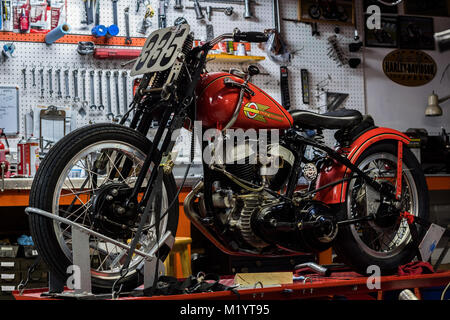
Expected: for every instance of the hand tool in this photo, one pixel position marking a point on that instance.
(33, 73)
(89, 12)
(85, 47)
(162, 13)
(146, 22)
(91, 74)
(178, 5)
(128, 39)
(114, 3)
(125, 90)
(305, 86)
(110, 53)
(246, 3)
(116, 80)
(84, 103)
(228, 11)
(66, 82)
(75, 84)
(50, 81)
(110, 115)
(58, 82)
(284, 86)
(97, 12)
(209, 32)
(138, 4)
(24, 73)
(100, 88)
(41, 74)
(248, 10)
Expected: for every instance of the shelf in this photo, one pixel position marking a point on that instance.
(235, 59)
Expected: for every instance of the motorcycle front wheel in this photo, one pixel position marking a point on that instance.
(386, 243)
(76, 180)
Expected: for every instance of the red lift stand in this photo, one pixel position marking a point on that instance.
(350, 285)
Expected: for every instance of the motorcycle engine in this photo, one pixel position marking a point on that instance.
(258, 219)
(234, 204)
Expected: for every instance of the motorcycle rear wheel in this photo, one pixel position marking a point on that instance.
(386, 246)
(78, 151)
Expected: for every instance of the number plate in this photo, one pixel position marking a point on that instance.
(161, 49)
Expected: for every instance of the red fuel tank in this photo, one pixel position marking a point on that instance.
(217, 102)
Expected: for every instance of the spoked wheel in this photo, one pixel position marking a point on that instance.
(87, 177)
(385, 241)
(315, 11)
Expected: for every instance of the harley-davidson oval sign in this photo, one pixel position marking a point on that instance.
(410, 68)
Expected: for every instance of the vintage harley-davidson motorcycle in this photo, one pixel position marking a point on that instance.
(111, 179)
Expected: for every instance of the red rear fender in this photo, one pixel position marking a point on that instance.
(337, 171)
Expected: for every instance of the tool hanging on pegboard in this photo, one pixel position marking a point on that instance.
(248, 14)
(284, 86)
(305, 86)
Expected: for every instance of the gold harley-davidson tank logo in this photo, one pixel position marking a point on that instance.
(258, 112)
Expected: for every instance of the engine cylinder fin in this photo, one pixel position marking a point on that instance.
(252, 204)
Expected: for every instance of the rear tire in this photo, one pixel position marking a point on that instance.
(352, 250)
(43, 192)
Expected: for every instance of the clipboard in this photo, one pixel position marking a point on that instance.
(9, 110)
(52, 126)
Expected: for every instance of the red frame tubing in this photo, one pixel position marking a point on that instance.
(399, 170)
(338, 171)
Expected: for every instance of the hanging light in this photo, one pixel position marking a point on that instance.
(434, 109)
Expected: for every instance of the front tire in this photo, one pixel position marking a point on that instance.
(357, 244)
(47, 192)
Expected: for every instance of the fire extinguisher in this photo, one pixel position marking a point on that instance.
(22, 158)
(4, 164)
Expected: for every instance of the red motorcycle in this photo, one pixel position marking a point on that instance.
(114, 181)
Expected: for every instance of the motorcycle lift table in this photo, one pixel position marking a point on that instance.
(347, 284)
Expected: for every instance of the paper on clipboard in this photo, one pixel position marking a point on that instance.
(9, 109)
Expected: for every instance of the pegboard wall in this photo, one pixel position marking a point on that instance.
(310, 52)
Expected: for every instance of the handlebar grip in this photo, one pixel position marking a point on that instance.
(250, 37)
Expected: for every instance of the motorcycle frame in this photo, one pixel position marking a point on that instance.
(146, 104)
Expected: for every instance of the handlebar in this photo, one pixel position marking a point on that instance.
(250, 36)
(238, 36)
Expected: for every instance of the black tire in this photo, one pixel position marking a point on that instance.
(41, 196)
(347, 247)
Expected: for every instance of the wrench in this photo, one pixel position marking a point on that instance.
(41, 74)
(33, 72)
(100, 88)
(24, 72)
(125, 90)
(50, 81)
(114, 3)
(116, 79)
(66, 81)
(75, 83)
(84, 104)
(128, 39)
(110, 115)
(58, 80)
(91, 74)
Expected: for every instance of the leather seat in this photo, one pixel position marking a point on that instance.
(339, 119)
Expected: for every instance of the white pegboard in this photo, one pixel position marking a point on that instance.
(311, 55)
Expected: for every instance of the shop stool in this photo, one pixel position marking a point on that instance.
(180, 248)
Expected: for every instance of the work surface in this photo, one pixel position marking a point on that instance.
(341, 283)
